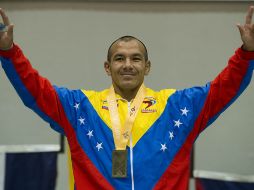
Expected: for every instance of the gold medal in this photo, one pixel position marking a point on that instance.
(121, 135)
(119, 163)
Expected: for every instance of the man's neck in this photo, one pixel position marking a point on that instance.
(127, 94)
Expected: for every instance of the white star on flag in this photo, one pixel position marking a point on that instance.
(99, 146)
(81, 120)
(90, 134)
(184, 111)
(76, 106)
(171, 135)
(163, 147)
(178, 123)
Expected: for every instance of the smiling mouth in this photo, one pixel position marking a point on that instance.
(127, 74)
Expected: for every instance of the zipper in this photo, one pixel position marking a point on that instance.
(131, 160)
(131, 155)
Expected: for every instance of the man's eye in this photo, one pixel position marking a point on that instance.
(119, 59)
(136, 59)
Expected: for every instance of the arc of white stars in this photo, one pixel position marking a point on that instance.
(171, 135)
(99, 146)
(163, 147)
(184, 111)
(76, 106)
(81, 120)
(90, 134)
(178, 123)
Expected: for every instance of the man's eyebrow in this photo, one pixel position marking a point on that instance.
(133, 55)
(118, 55)
(138, 54)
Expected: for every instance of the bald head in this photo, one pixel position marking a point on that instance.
(127, 39)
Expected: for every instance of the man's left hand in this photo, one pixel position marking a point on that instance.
(247, 31)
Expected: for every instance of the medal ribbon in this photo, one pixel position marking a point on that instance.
(122, 134)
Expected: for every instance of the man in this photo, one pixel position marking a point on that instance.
(129, 136)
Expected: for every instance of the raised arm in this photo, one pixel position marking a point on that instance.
(35, 91)
(206, 103)
(233, 80)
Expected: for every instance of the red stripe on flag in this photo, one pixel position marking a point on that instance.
(177, 174)
(86, 174)
(225, 87)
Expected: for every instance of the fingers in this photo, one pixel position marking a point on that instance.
(4, 17)
(241, 29)
(249, 15)
(10, 30)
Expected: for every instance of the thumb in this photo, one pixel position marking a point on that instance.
(241, 29)
(10, 30)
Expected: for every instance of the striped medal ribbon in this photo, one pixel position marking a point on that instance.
(122, 134)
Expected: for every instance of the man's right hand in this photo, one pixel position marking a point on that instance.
(6, 37)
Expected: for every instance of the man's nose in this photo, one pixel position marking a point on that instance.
(128, 63)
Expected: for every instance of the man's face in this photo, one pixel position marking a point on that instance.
(127, 66)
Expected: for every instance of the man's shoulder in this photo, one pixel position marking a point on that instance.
(95, 94)
(161, 94)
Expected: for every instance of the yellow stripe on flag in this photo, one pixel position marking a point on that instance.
(71, 178)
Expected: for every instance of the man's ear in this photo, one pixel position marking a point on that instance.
(147, 67)
(107, 68)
